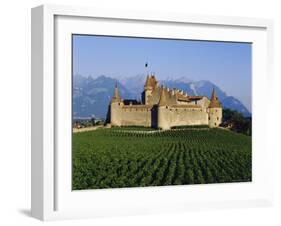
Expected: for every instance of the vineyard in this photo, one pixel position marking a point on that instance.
(108, 158)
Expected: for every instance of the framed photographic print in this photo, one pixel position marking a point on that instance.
(137, 112)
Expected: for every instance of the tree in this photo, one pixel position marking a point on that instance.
(93, 120)
(237, 122)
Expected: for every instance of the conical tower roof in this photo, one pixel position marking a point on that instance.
(162, 100)
(147, 82)
(214, 101)
(150, 82)
(116, 96)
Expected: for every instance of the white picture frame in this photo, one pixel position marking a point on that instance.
(52, 197)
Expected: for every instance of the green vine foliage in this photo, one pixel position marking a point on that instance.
(110, 158)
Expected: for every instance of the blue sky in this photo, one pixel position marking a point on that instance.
(226, 64)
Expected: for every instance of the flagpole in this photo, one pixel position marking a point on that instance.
(146, 66)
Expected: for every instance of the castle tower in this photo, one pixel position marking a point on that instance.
(116, 108)
(116, 96)
(163, 112)
(214, 111)
(147, 89)
(150, 85)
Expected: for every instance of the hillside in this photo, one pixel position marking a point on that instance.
(91, 96)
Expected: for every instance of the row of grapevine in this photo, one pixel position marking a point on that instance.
(109, 158)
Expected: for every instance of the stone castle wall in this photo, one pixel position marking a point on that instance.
(164, 117)
(135, 116)
(173, 116)
(165, 108)
(189, 116)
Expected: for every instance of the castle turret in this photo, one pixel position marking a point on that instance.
(148, 88)
(214, 111)
(116, 97)
(116, 108)
(150, 85)
(163, 112)
(163, 99)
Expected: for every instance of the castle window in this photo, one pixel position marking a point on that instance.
(215, 124)
(216, 110)
(166, 107)
(209, 118)
(217, 118)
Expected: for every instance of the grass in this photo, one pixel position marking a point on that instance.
(133, 128)
(106, 158)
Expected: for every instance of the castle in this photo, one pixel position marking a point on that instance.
(164, 108)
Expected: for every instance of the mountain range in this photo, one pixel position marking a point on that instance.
(91, 96)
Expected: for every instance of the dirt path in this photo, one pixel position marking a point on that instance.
(156, 131)
(75, 130)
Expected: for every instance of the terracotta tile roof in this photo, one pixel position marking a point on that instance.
(182, 97)
(150, 82)
(214, 103)
(195, 97)
(116, 96)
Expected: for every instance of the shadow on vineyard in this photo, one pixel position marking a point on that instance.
(107, 158)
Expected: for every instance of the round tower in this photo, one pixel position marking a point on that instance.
(116, 108)
(214, 111)
(163, 121)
